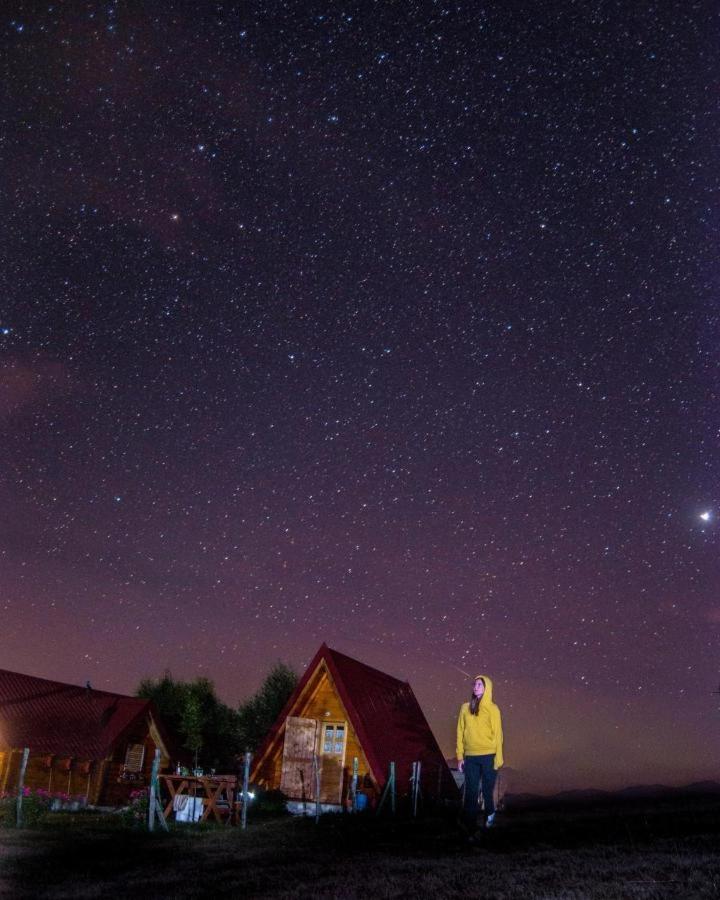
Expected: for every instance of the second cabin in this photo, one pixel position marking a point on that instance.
(343, 710)
(91, 745)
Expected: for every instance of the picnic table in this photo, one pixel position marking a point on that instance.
(217, 792)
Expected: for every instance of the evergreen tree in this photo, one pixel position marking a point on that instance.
(258, 714)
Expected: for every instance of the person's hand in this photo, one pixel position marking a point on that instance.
(461, 765)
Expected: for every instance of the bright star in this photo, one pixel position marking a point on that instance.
(705, 516)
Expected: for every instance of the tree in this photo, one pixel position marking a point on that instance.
(205, 725)
(192, 724)
(256, 716)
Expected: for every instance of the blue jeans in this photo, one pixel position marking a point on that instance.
(478, 770)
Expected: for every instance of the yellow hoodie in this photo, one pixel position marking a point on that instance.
(481, 734)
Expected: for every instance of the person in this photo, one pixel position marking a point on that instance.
(479, 751)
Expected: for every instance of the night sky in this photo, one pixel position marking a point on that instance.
(387, 324)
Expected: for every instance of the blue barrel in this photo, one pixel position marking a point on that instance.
(360, 801)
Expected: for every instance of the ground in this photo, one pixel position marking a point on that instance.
(651, 850)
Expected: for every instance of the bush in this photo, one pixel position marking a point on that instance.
(136, 814)
(268, 803)
(36, 805)
(7, 809)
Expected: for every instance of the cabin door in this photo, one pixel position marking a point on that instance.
(333, 741)
(298, 779)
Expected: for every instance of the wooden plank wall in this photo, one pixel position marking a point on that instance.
(115, 792)
(79, 777)
(98, 780)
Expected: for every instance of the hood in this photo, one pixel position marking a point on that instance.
(487, 697)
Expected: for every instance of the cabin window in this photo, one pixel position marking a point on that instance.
(134, 756)
(334, 740)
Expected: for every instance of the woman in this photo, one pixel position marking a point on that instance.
(479, 751)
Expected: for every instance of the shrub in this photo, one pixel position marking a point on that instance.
(7, 808)
(269, 803)
(135, 815)
(36, 805)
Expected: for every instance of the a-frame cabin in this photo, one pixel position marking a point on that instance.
(343, 709)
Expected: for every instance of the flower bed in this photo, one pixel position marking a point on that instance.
(36, 805)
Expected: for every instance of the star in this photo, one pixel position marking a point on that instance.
(705, 516)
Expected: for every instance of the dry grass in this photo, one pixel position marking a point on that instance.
(651, 852)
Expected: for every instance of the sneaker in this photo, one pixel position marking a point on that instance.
(490, 820)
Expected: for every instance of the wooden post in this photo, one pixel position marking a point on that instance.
(154, 804)
(316, 773)
(416, 785)
(392, 789)
(413, 787)
(151, 797)
(21, 784)
(353, 785)
(246, 778)
(389, 791)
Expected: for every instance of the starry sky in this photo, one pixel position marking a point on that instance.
(392, 325)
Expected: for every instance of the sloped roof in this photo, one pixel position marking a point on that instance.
(63, 719)
(382, 710)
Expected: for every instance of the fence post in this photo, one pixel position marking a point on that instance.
(392, 787)
(316, 772)
(416, 785)
(353, 785)
(389, 790)
(246, 778)
(154, 804)
(21, 784)
(412, 786)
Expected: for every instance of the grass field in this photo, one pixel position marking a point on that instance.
(660, 850)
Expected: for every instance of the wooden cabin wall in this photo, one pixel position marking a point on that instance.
(115, 791)
(97, 780)
(269, 773)
(50, 773)
(5, 766)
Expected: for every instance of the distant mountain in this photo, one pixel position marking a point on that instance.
(581, 794)
(702, 787)
(661, 790)
(633, 792)
(645, 790)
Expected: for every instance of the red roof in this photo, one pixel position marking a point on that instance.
(384, 714)
(63, 719)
